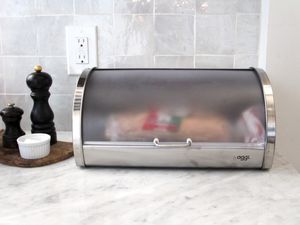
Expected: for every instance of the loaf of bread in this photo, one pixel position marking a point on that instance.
(154, 124)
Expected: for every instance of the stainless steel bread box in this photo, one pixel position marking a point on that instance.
(218, 118)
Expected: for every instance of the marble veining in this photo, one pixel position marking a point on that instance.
(65, 194)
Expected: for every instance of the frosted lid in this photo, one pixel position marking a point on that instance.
(139, 105)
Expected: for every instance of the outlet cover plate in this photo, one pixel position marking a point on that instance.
(73, 34)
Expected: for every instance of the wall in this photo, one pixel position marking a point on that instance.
(283, 67)
(132, 33)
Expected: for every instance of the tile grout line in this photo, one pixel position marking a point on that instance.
(2, 66)
(158, 55)
(235, 41)
(31, 56)
(73, 13)
(1, 42)
(263, 34)
(113, 33)
(37, 43)
(3, 79)
(40, 15)
(54, 56)
(195, 20)
(37, 36)
(125, 14)
(73, 19)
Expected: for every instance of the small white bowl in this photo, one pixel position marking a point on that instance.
(34, 146)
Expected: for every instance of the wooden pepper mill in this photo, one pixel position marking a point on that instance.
(12, 116)
(41, 115)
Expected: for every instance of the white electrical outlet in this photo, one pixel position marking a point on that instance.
(81, 48)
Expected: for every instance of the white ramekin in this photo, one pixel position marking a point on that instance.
(34, 146)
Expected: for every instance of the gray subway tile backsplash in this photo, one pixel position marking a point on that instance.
(131, 33)
(51, 34)
(17, 7)
(2, 90)
(93, 6)
(175, 7)
(215, 34)
(62, 108)
(50, 7)
(106, 62)
(2, 104)
(249, 6)
(16, 70)
(214, 7)
(208, 61)
(134, 61)
(133, 6)
(245, 61)
(105, 27)
(174, 61)
(247, 39)
(57, 68)
(19, 35)
(174, 35)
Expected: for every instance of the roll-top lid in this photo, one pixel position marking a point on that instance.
(173, 105)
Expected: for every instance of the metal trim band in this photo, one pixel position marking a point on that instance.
(77, 117)
(270, 118)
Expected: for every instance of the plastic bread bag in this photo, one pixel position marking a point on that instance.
(251, 125)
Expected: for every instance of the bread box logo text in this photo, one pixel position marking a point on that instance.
(242, 157)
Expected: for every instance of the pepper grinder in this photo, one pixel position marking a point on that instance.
(41, 115)
(11, 117)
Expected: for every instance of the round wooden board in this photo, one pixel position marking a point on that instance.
(59, 152)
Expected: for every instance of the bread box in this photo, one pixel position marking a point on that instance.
(218, 118)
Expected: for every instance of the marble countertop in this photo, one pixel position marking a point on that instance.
(67, 195)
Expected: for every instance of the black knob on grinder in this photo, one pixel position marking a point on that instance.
(41, 115)
(11, 117)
